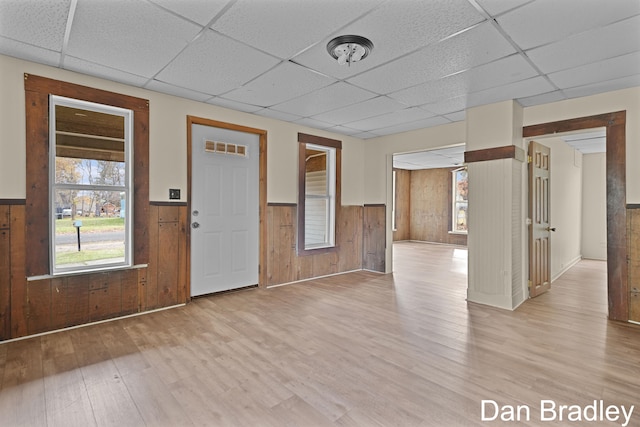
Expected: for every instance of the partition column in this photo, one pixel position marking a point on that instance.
(496, 241)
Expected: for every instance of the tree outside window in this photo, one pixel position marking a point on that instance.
(460, 200)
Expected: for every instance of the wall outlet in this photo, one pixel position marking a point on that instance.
(174, 194)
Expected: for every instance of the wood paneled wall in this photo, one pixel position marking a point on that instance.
(374, 238)
(429, 204)
(33, 306)
(403, 205)
(283, 263)
(633, 237)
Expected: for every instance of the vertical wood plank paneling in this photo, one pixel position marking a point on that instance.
(39, 298)
(374, 238)
(168, 259)
(349, 238)
(183, 291)
(617, 274)
(284, 265)
(5, 273)
(151, 288)
(403, 205)
(129, 303)
(77, 300)
(105, 295)
(633, 242)
(37, 213)
(18, 272)
(59, 303)
(430, 218)
(142, 288)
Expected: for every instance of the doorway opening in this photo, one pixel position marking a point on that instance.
(576, 228)
(617, 269)
(429, 204)
(239, 149)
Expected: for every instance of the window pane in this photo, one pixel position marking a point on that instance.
(100, 218)
(316, 173)
(460, 217)
(460, 197)
(316, 214)
(89, 172)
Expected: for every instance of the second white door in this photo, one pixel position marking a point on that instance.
(224, 209)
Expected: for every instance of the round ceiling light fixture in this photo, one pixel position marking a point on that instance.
(348, 49)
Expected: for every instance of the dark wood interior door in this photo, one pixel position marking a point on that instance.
(540, 228)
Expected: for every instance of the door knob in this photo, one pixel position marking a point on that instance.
(550, 229)
(195, 225)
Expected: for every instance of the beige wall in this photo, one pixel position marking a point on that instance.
(627, 99)
(167, 131)
(566, 205)
(594, 206)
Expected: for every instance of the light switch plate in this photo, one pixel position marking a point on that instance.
(174, 194)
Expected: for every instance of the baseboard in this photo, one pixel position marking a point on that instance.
(567, 268)
(26, 337)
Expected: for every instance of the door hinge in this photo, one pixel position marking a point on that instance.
(529, 159)
(529, 283)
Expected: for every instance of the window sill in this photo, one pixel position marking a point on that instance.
(462, 233)
(317, 251)
(84, 272)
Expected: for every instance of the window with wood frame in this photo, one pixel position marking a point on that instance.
(39, 212)
(460, 194)
(318, 192)
(90, 185)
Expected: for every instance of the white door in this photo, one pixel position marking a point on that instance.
(224, 209)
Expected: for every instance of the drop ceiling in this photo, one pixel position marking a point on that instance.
(432, 59)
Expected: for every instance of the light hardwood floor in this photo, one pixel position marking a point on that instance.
(360, 349)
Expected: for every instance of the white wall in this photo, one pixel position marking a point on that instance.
(167, 133)
(566, 205)
(620, 100)
(594, 206)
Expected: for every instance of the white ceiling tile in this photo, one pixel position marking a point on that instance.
(405, 127)
(317, 124)
(608, 69)
(40, 23)
(128, 35)
(544, 98)
(545, 21)
(516, 90)
(215, 64)
(477, 46)
(590, 46)
(391, 119)
(28, 52)
(458, 116)
(396, 28)
(496, 7)
(278, 115)
(271, 25)
(604, 86)
(365, 135)
(274, 86)
(162, 87)
(334, 96)
(344, 130)
(505, 70)
(447, 106)
(85, 67)
(362, 110)
(200, 11)
(234, 105)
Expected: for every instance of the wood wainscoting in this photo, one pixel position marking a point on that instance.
(32, 306)
(284, 265)
(374, 240)
(633, 239)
